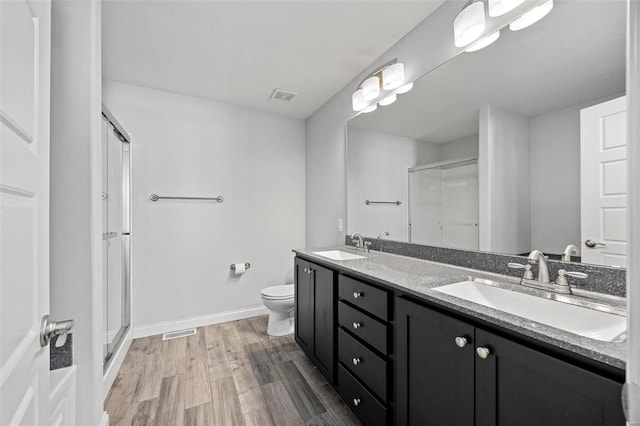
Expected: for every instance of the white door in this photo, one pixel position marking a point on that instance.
(25, 35)
(603, 181)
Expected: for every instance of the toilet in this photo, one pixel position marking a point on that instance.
(279, 300)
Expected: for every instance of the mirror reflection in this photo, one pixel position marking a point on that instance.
(515, 147)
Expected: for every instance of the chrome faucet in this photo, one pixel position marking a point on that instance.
(383, 234)
(538, 257)
(357, 238)
(569, 251)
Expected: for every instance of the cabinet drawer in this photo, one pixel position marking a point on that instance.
(364, 326)
(369, 298)
(369, 410)
(363, 363)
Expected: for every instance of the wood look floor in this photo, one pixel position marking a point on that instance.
(227, 374)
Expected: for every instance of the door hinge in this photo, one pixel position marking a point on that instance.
(631, 392)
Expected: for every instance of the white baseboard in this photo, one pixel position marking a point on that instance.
(105, 419)
(116, 362)
(165, 327)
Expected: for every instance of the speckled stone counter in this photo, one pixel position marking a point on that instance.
(418, 278)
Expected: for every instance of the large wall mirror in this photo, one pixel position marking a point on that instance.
(515, 147)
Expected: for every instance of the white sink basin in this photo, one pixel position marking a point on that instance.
(575, 319)
(339, 255)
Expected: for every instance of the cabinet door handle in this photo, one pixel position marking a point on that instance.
(309, 271)
(356, 361)
(357, 325)
(356, 401)
(461, 341)
(357, 294)
(306, 270)
(483, 352)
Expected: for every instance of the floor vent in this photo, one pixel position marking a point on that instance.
(179, 333)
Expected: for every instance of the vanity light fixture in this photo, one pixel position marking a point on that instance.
(386, 82)
(483, 42)
(500, 7)
(469, 24)
(532, 16)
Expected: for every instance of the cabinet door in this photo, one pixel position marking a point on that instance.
(304, 293)
(324, 320)
(435, 377)
(516, 385)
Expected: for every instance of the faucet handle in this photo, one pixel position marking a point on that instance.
(563, 273)
(367, 245)
(528, 275)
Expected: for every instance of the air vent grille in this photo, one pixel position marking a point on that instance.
(179, 333)
(282, 95)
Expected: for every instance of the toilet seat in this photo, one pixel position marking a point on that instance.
(278, 292)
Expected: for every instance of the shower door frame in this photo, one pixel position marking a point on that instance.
(125, 326)
(438, 165)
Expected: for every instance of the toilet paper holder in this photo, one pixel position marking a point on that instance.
(233, 266)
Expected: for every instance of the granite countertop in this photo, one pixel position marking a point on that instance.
(418, 278)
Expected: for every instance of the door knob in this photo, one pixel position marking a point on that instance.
(356, 401)
(356, 361)
(357, 325)
(461, 342)
(483, 352)
(357, 294)
(592, 244)
(50, 329)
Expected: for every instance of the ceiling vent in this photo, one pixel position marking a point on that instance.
(282, 95)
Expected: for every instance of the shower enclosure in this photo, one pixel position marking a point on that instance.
(443, 204)
(116, 221)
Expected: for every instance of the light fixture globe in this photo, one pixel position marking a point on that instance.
(371, 88)
(500, 7)
(483, 42)
(532, 16)
(371, 108)
(405, 88)
(393, 76)
(389, 99)
(469, 24)
(357, 100)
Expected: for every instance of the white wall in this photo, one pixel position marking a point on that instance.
(377, 170)
(555, 180)
(428, 153)
(76, 239)
(461, 148)
(326, 199)
(503, 170)
(183, 249)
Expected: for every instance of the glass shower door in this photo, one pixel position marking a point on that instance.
(115, 238)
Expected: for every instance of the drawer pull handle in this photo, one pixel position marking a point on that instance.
(356, 401)
(357, 294)
(357, 325)
(356, 361)
(461, 341)
(483, 352)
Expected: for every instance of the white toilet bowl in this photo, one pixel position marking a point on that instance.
(279, 300)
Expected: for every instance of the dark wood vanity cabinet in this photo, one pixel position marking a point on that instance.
(316, 315)
(450, 372)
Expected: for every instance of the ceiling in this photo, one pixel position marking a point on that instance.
(574, 55)
(240, 51)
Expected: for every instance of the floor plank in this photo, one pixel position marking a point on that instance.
(227, 374)
(281, 405)
(226, 404)
(170, 409)
(199, 415)
(307, 402)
